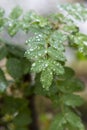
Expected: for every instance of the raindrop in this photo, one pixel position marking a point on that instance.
(33, 64)
(26, 41)
(39, 54)
(38, 40)
(85, 43)
(28, 52)
(46, 65)
(45, 51)
(54, 69)
(31, 49)
(10, 24)
(35, 57)
(40, 35)
(50, 73)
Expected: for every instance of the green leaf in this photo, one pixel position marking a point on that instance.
(71, 85)
(74, 120)
(72, 100)
(3, 82)
(70, 29)
(38, 39)
(56, 67)
(57, 39)
(68, 73)
(3, 52)
(14, 68)
(80, 42)
(56, 55)
(58, 122)
(76, 11)
(13, 27)
(15, 51)
(46, 78)
(39, 65)
(22, 119)
(26, 65)
(36, 53)
(1, 12)
(12, 105)
(16, 12)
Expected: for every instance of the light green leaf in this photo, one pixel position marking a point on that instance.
(13, 27)
(46, 78)
(34, 55)
(57, 39)
(76, 11)
(39, 65)
(2, 12)
(16, 12)
(38, 39)
(56, 67)
(55, 54)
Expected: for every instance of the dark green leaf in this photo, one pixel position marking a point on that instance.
(14, 68)
(22, 119)
(71, 85)
(3, 52)
(72, 100)
(15, 51)
(68, 73)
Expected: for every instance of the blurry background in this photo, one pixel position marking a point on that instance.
(45, 7)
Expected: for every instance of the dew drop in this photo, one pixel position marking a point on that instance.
(10, 24)
(45, 51)
(31, 49)
(46, 65)
(33, 64)
(36, 57)
(38, 40)
(50, 73)
(26, 42)
(39, 54)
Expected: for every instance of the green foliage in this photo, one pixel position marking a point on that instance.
(76, 11)
(14, 67)
(15, 111)
(16, 12)
(41, 68)
(62, 121)
(3, 82)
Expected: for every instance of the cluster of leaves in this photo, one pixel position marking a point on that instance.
(46, 51)
(14, 112)
(16, 115)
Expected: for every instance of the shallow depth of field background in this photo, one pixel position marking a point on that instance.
(45, 7)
